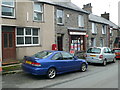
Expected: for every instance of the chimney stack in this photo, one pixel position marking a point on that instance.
(87, 7)
(106, 16)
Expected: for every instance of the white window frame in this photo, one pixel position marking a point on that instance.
(103, 29)
(36, 11)
(28, 36)
(111, 32)
(94, 28)
(101, 40)
(62, 16)
(80, 20)
(8, 6)
(94, 42)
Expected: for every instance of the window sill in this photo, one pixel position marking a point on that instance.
(38, 21)
(60, 24)
(9, 17)
(22, 46)
(94, 33)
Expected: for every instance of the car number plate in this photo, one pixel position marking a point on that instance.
(92, 55)
(28, 62)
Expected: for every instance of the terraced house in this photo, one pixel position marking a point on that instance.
(27, 27)
(102, 32)
(32, 26)
(71, 25)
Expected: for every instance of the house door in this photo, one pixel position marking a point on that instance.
(8, 45)
(60, 42)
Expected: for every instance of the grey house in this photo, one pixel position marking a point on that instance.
(102, 32)
(71, 25)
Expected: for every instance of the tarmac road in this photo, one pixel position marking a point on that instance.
(97, 76)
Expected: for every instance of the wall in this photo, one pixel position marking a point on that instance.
(97, 36)
(71, 21)
(46, 27)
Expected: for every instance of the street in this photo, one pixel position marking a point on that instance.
(97, 76)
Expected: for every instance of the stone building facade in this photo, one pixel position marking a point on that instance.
(71, 32)
(102, 32)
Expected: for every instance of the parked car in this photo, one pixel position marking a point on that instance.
(100, 55)
(117, 52)
(50, 63)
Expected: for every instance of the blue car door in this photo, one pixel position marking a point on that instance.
(71, 63)
(59, 63)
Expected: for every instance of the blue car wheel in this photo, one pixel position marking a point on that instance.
(51, 73)
(83, 67)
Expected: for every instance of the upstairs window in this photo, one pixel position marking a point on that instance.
(111, 32)
(81, 21)
(38, 12)
(8, 8)
(60, 18)
(103, 29)
(94, 28)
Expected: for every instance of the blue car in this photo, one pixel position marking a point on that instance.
(51, 63)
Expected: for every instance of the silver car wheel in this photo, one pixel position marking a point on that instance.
(114, 60)
(104, 63)
(51, 73)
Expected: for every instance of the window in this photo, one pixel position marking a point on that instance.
(57, 56)
(101, 42)
(8, 8)
(93, 42)
(111, 32)
(27, 36)
(94, 50)
(81, 21)
(42, 54)
(107, 50)
(94, 28)
(67, 56)
(103, 29)
(38, 12)
(60, 18)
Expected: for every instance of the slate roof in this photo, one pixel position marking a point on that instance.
(68, 5)
(102, 20)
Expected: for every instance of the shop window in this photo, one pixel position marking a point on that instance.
(77, 43)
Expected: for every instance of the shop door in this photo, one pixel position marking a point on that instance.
(8, 45)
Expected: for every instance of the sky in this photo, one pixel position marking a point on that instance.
(101, 6)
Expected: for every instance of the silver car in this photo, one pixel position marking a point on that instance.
(100, 55)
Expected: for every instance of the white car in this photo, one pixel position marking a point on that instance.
(100, 55)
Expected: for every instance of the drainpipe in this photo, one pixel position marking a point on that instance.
(0, 40)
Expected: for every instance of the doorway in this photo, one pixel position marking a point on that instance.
(8, 44)
(60, 42)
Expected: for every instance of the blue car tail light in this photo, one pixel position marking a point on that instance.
(35, 64)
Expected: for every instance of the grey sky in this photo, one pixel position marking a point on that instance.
(101, 6)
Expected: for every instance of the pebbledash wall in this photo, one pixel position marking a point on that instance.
(24, 18)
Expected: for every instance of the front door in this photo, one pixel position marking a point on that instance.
(8, 45)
